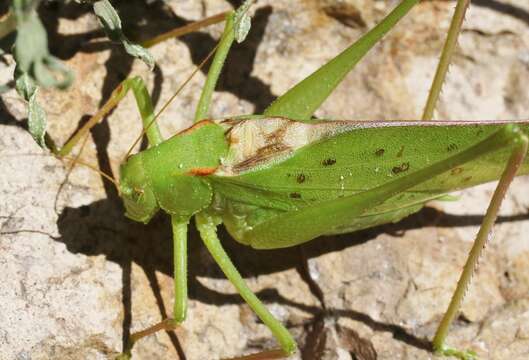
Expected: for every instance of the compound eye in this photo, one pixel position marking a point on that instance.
(137, 194)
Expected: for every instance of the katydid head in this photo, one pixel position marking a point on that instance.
(171, 175)
(136, 192)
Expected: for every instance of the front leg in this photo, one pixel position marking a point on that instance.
(179, 227)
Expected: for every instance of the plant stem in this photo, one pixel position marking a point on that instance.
(8, 24)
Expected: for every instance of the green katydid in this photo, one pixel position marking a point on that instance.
(266, 178)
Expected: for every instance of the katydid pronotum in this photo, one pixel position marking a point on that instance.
(268, 199)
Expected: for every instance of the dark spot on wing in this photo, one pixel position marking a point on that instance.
(451, 147)
(295, 195)
(401, 168)
(301, 178)
(380, 152)
(467, 179)
(456, 171)
(278, 135)
(401, 151)
(328, 162)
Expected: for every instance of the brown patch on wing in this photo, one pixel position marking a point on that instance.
(267, 145)
(278, 135)
(202, 171)
(265, 153)
(256, 142)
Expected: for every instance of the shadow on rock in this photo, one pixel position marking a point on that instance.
(102, 229)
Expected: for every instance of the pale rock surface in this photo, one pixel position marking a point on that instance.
(76, 277)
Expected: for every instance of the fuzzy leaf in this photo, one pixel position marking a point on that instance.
(27, 88)
(37, 121)
(24, 84)
(31, 48)
(242, 21)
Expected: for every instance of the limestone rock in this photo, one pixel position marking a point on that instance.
(77, 277)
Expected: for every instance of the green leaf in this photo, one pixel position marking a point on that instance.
(109, 19)
(27, 88)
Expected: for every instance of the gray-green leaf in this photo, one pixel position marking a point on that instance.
(27, 88)
(242, 21)
(37, 121)
(109, 19)
(31, 48)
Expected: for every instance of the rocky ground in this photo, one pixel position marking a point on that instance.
(77, 277)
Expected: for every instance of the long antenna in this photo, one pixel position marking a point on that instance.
(177, 92)
(68, 173)
(75, 160)
(186, 29)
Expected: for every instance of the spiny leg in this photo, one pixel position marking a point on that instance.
(486, 228)
(145, 107)
(228, 36)
(179, 227)
(264, 355)
(484, 234)
(207, 226)
(446, 56)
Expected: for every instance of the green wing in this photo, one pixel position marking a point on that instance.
(353, 162)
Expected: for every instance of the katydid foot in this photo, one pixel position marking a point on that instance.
(444, 350)
(275, 354)
(166, 325)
